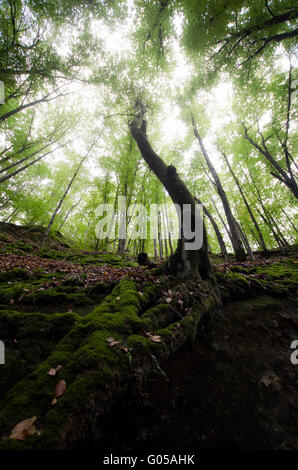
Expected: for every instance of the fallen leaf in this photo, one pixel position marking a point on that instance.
(285, 315)
(23, 429)
(112, 342)
(155, 338)
(53, 371)
(269, 379)
(60, 388)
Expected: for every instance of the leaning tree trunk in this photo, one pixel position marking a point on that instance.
(245, 241)
(222, 245)
(186, 264)
(254, 221)
(64, 195)
(237, 243)
(281, 241)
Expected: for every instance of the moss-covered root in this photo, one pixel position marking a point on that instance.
(99, 355)
(238, 286)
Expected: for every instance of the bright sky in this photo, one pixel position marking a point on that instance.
(118, 44)
(116, 41)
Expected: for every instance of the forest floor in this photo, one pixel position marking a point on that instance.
(234, 387)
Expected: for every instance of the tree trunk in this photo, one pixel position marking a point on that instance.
(222, 245)
(155, 248)
(223, 222)
(289, 220)
(268, 219)
(254, 221)
(68, 214)
(237, 243)
(168, 230)
(286, 178)
(64, 195)
(14, 173)
(245, 241)
(186, 264)
(160, 245)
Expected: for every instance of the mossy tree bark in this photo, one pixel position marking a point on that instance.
(186, 264)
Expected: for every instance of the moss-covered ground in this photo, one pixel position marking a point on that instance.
(122, 334)
(234, 388)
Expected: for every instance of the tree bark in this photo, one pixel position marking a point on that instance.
(222, 245)
(286, 178)
(64, 195)
(14, 173)
(266, 217)
(254, 221)
(237, 243)
(245, 241)
(186, 264)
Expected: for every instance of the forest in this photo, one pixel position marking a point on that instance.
(148, 225)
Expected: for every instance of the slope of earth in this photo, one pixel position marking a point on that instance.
(57, 278)
(234, 386)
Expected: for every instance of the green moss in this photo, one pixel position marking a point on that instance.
(14, 275)
(9, 292)
(139, 344)
(29, 338)
(238, 269)
(96, 352)
(158, 316)
(233, 286)
(236, 277)
(59, 294)
(255, 312)
(284, 274)
(89, 362)
(33, 292)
